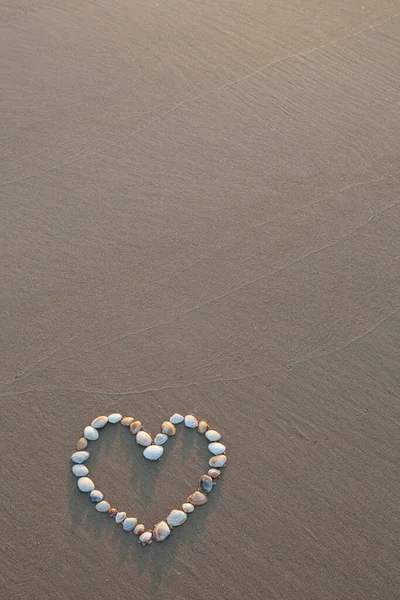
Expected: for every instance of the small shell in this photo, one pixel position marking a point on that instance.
(103, 506)
(160, 532)
(135, 426)
(129, 524)
(139, 529)
(176, 518)
(153, 452)
(187, 507)
(168, 428)
(85, 484)
(176, 418)
(160, 439)
(114, 418)
(80, 457)
(143, 438)
(214, 473)
(191, 422)
(127, 421)
(197, 499)
(212, 435)
(112, 512)
(96, 496)
(90, 433)
(218, 461)
(80, 470)
(206, 484)
(99, 422)
(202, 426)
(216, 448)
(81, 444)
(145, 538)
(120, 516)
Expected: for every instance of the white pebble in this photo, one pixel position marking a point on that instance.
(90, 433)
(129, 524)
(103, 506)
(96, 496)
(212, 435)
(218, 461)
(143, 438)
(145, 538)
(187, 507)
(176, 418)
(160, 439)
(80, 470)
(80, 457)
(114, 418)
(85, 484)
(99, 422)
(191, 422)
(153, 452)
(216, 448)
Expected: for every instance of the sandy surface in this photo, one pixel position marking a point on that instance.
(200, 212)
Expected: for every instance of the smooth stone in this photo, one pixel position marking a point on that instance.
(143, 438)
(212, 435)
(129, 524)
(216, 448)
(85, 484)
(96, 496)
(91, 433)
(80, 457)
(187, 507)
(191, 422)
(145, 538)
(119, 517)
(135, 426)
(126, 421)
(202, 426)
(99, 422)
(176, 418)
(103, 506)
(168, 428)
(153, 452)
(81, 444)
(80, 470)
(206, 484)
(161, 531)
(176, 518)
(160, 439)
(218, 461)
(114, 418)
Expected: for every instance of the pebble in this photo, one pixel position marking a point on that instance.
(80, 470)
(81, 444)
(176, 518)
(191, 421)
(127, 421)
(143, 438)
(202, 426)
(99, 422)
(80, 457)
(218, 461)
(96, 496)
(212, 435)
(187, 507)
(168, 428)
(129, 524)
(160, 532)
(114, 418)
(120, 516)
(112, 512)
(214, 473)
(197, 499)
(91, 433)
(206, 484)
(176, 418)
(139, 529)
(153, 452)
(145, 538)
(160, 439)
(85, 484)
(103, 506)
(216, 448)
(135, 426)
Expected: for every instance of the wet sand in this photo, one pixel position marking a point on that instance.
(200, 213)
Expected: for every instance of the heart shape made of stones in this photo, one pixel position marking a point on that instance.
(153, 450)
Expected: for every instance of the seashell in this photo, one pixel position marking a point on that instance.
(80, 457)
(176, 418)
(206, 484)
(176, 518)
(114, 418)
(218, 461)
(214, 473)
(143, 438)
(191, 422)
(129, 524)
(153, 452)
(160, 439)
(187, 507)
(135, 426)
(90, 433)
(212, 435)
(160, 532)
(99, 422)
(168, 428)
(80, 470)
(103, 506)
(197, 499)
(96, 496)
(202, 426)
(81, 444)
(120, 516)
(146, 538)
(139, 529)
(112, 512)
(216, 448)
(127, 421)
(85, 484)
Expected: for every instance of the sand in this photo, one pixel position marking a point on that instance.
(200, 213)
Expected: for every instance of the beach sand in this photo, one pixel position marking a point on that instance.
(200, 213)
